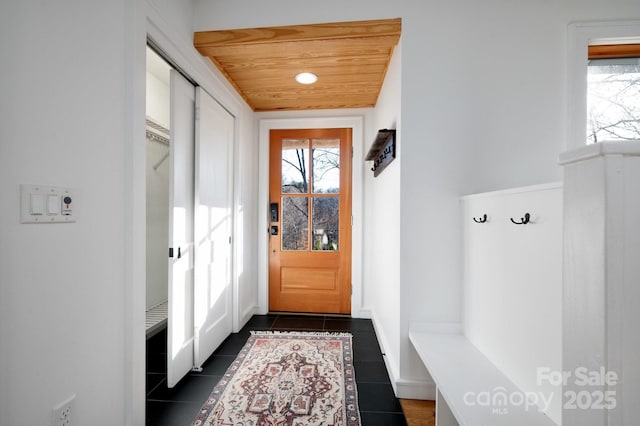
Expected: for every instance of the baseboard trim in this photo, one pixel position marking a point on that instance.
(245, 317)
(415, 389)
(387, 357)
(362, 314)
(403, 388)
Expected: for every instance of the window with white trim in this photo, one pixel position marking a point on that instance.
(613, 93)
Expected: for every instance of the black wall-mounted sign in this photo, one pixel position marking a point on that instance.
(383, 151)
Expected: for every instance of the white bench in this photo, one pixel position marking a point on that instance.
(463, 378)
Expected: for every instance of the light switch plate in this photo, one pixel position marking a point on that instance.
(36, 207)
(53, 210)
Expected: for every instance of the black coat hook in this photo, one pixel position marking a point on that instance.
(523, 220)
(483, 219)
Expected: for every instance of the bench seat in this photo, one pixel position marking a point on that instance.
(462, 373)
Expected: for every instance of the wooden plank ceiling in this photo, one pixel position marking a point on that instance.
(349, 58)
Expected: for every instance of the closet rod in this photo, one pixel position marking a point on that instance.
(157, 132)
(155, 166)
(157, 138)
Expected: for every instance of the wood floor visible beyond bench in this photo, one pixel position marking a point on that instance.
(419, 413)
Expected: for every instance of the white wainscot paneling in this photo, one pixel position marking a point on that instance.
(512, 308)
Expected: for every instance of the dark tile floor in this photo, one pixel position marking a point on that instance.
(178, 406)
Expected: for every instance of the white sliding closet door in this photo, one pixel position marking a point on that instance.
(181, 189)
(213, 217)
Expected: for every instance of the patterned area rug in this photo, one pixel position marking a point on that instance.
(287, 378)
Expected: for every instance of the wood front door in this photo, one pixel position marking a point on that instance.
(310, 221)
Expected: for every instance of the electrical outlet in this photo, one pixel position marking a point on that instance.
(63, 413)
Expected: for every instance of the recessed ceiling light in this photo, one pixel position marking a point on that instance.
(306, 78)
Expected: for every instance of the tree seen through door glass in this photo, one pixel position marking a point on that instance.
(295, 180)
(325, 223)
(295, 172)
(323, 177)
(295, 223)
(326, 166)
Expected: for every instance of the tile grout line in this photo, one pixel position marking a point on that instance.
(164, 401)
(156, 386)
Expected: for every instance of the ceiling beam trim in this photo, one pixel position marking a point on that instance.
(329, 31)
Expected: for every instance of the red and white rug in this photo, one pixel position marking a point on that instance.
(287, 379)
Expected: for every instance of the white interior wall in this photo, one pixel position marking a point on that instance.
(465, 111)
(246, 218)
(381, 260)
(157, 99)
(177, 16)
(157, 241)
(62, 301)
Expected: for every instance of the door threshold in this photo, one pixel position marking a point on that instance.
(309, 314)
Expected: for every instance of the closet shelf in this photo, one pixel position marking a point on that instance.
(156, 318)
(157, 132)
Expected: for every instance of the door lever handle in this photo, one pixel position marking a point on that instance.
(274, 230)
(171, 252)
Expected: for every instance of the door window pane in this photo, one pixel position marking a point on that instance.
(295, 159)
(325, 223)
(613, 99)
(295, 223)
(326, 166)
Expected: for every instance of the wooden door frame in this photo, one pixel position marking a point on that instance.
(356, 123)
